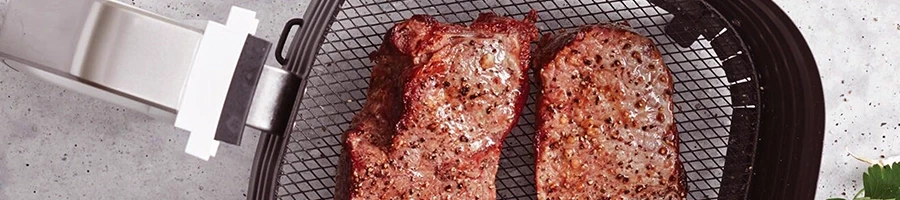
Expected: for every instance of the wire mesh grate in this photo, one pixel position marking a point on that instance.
(337, 85)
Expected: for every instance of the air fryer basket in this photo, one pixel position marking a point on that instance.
(749, 106)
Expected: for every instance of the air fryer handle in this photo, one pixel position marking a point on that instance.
(274, 90)
(260, 96)
(277, 91)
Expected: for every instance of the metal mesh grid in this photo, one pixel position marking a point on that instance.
(339, 78)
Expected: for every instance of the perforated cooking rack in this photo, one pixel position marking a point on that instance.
(749, 106)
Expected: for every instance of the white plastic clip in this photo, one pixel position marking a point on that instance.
(204, 94)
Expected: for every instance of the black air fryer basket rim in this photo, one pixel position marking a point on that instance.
(266, 169)
(792, 125)
(790, 114)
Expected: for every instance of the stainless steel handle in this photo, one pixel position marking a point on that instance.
(116, 49)
(140, 60)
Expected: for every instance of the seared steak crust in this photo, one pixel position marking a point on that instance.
(440, 101)
(605, 127)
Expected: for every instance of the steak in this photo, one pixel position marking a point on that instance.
(605, 127)
(440, 102)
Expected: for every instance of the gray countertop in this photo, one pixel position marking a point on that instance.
(856, 45)
(58, 144)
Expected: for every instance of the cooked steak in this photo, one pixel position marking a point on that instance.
(441, 99)
(605, 126)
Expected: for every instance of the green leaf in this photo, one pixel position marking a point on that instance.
(882, 182)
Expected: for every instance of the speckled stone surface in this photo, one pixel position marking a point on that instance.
(57, 144)
(856, 45)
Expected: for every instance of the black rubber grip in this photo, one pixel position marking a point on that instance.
(240, 93)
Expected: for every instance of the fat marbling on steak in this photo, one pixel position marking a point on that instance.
(605, 122)
(440, 101)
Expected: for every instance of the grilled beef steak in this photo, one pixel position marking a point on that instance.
(441, 99)
(605, 128)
